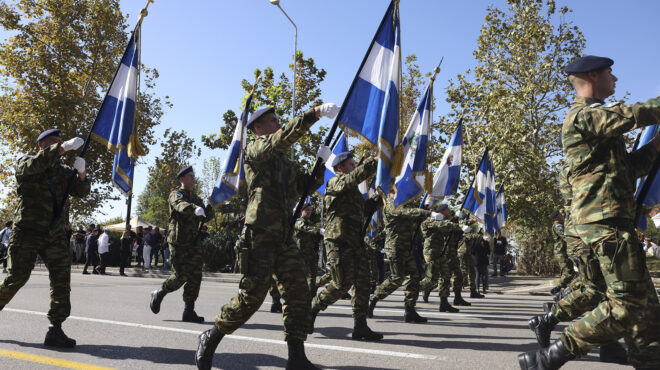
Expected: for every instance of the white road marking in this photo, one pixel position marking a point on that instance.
(240, 337)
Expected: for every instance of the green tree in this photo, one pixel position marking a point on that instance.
(514, 101)
(178, 151)
(54, 70)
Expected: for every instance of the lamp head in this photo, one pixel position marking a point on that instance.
(275, 2)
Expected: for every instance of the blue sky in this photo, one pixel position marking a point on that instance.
(203, 49)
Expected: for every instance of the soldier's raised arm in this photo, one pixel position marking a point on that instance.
(354, 178)
(615, 119)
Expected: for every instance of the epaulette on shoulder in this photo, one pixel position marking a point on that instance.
(595, 105)
(612, 104)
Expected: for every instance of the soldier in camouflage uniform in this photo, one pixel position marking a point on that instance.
(187, 212)
(273, 186)
(399, 224)
(345, 211)
(453, 267)
(586, 291)
(602, 176)
(469, 239)
(307, 236)
(561, 254)
(41, 182)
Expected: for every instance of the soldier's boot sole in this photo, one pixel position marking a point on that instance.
(461, 302)
(208, 342)
(362, 332)
(191, 316)
(411, 316)
(156, 299)
(58, 339)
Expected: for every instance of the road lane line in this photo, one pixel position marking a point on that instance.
(244, 338)
(50, 361)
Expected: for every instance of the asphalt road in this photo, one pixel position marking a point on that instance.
(114, 328)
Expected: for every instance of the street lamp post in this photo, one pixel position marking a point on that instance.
(295, 51)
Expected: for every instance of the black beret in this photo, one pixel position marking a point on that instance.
(442, 207)
(554, 215)
(49, 132)
(256, 115)
(184, 171)
(341, 157)
(588, 63)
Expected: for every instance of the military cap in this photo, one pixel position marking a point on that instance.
(256, 115)
(442, 207)
(184, 171)
(554, 215)
(49, 132)
(588, 63)
(341, 157)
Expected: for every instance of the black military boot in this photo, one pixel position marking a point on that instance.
(547, 306)
(55, 337)
(548, 358)
(297, 359)
(315, 312)
(446, 307)
(556, 289)
(426, 295)
(362, 332)
(475, 294)
(372, 306)
(156, 298)
(614, 353)
(542, 326)
(459, 301)
(412, 316)
(276, 307)
(189, 314)
(208, 342)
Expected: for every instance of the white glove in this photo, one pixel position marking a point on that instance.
(322, 231)
(324, 153)
(437, 216)
(199, 211)
(72, 144)
(79, 165)
(329, 110)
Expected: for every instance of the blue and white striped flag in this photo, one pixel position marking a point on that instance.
(445, 180)
(480, 199)
(340, 147)
(371, 108)
(115, 126)
(410, 183)
(232, 174)
(500, 210)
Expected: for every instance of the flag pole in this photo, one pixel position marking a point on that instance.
(333, 129)
(474, 178)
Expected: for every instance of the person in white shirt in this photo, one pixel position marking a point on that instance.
(104, 250)
(5, 234)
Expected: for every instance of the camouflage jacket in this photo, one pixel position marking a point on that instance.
(306, 234)
(273, 182)
(437, 235)
(602, 172)
(184, 225)
(558, 236)
(400, 223)
(456, 236)
(345, 208)
(566, 194)
(468, 242)
(41, 181)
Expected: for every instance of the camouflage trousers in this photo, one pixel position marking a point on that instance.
(403, 272)
(187, 265)
(348, 268)
(451, 268)
(468, 271)
(311, 257)
(630, 308)
(565, 265)
(588, 289)
(373, 267)
(323, 280)
(433, 259)
(51, 246)
(270, 256)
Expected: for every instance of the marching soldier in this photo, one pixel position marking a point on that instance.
(561, 254)
(273, 184)
(602, 177)
(41, 183)
(465, 248)
(452, 268)
(345, 211)
(307, 237)
(187, 211)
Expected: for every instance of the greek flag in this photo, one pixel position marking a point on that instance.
(480, 199)
(115, 125)
(653, 196)
(410, 183)
(232, 175)
(340, 147)
(500, 210)
(445, 180)
(375, 222)
(371, 108)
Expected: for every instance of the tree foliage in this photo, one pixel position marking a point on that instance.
(54, 70)
(178, 151)
(513, 102)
